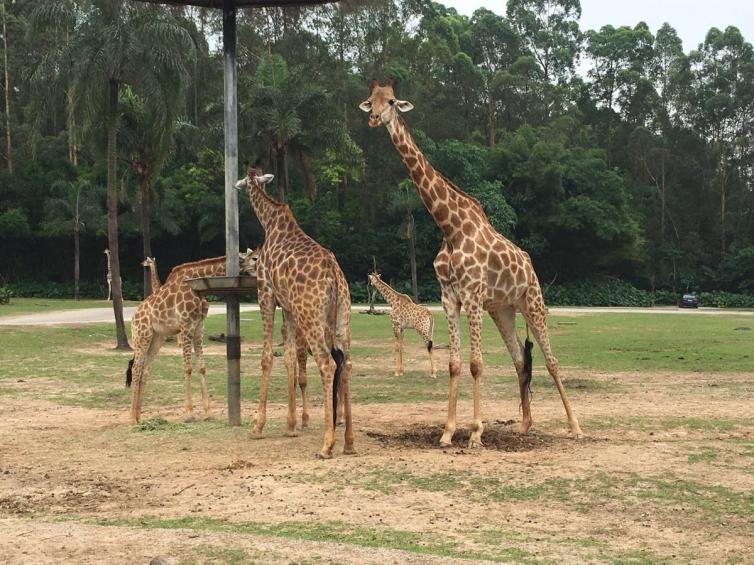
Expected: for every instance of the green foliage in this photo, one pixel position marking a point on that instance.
(5, 295)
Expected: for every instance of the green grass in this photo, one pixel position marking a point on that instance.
(20, 306)
(83, 358)
(332, 531)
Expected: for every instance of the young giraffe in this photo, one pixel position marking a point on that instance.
(305, 280)
(173, 309)
(405, 314)
(477, 268)
(251, 266)
(109, 276)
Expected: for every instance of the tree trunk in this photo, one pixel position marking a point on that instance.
(112, 213)
(8, 156)
(306, 168)
(146, 230)
(723, 182)
(412, 256)
(76, 260)
(282, 172)
(491, 121)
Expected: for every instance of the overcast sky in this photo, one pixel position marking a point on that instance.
(691, 18)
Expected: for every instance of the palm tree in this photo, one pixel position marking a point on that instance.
(72, 211)
(144, 149)
(117, 44)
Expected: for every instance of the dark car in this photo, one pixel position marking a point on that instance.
(689, 301)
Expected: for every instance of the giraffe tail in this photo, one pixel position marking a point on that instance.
(431, 331)
(528, 345)
(129, 372)
(338, 357)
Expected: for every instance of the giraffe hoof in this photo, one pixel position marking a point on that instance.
(349, 450)
(522, 428)
(291, 433)
(324, 455)
(475, 443)
(189, 419)
(208, 418)
(256, 435)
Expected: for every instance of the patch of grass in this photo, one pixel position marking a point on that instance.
(703, 455)
(226, 556)
(338, 532)
(637, 557)
(21, 306)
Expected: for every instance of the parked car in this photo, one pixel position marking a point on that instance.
(689, 300)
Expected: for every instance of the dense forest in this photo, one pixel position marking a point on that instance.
(613, 156)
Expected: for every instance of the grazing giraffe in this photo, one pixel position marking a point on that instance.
(251, 266)
(306, 281)
(477, 268)
(174, 309)
(405, 314)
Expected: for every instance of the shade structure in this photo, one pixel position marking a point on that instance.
(230, 80)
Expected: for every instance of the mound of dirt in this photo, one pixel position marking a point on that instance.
(500, 436)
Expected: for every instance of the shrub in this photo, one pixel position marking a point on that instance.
(5, 294)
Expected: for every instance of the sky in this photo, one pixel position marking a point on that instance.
(690, 18)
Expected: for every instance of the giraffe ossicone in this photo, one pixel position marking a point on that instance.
(478, 270)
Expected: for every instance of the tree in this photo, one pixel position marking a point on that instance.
(72, 209)
(115, 44)
(405, 201)
(6, 74)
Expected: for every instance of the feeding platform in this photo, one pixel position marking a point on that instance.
(223, 286)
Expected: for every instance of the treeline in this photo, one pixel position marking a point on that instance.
(609, 154)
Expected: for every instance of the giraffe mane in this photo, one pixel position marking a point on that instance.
(448, 182)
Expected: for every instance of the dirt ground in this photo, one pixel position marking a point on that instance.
(664, 474)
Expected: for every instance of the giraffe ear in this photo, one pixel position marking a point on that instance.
(365, 106)
(404, 105)
(241, 184)
(264, 179)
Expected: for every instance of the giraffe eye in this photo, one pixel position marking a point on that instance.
(392, 101)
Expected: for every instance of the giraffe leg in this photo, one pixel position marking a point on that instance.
(187, 341)
(199, 351)
(291, 362)
(398, 335)
(505, 320)
(474, 312)
(147, 349)
(267, 309)
(452, 308)
(326, 365)
(302, 376)
(536, 317)
(342, 342)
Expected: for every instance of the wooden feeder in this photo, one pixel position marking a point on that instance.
(232, 285)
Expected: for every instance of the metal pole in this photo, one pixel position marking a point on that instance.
(233, 333)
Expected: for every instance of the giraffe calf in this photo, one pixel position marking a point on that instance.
(405, 313)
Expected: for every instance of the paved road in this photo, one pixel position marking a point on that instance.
(105, 315)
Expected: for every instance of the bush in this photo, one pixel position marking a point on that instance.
(5, 294)
(726, 299)
(87, 289)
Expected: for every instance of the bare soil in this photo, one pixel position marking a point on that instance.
(665, 473)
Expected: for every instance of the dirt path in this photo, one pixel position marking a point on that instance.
(105, 315)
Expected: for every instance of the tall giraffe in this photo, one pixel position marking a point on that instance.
(477, 268)
(405, 314)
(110, 275)
(174, 309)
(306, 281)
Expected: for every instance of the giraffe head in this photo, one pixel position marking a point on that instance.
(249, 261)
(382, 105)
(373, 277)
(254, 178)
(148, 262)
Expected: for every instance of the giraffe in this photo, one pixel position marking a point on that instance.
(173, 309)
(477, 268)
(151, 263)
(306, 281)
(405, 314)
(110, 276)
(251, 265)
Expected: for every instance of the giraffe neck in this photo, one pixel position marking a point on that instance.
(206, 268)
(385, 290)
(442, 200)
(154, 276)
(272, 215)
